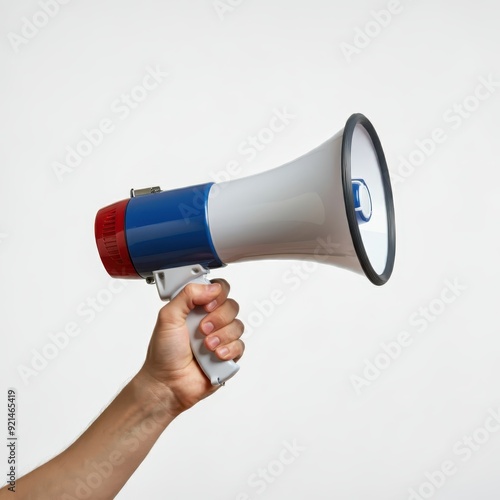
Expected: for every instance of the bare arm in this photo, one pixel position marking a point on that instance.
(101, 460)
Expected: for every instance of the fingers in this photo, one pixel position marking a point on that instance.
(223, 331)
(208, 296)
(226, 343)
(221, 297)
(220, 317)
(176, 312)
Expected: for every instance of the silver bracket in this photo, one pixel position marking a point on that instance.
(134, 193)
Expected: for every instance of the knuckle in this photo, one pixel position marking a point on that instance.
(225, 285)
(189, 290)
(234, 305)
(240, 325)
(163, 314)
(218, 318)
(238, 350)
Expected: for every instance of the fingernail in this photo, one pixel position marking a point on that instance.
(213, 342)
(212, 305)
(207, 327)
(223, 352)
(214, 287)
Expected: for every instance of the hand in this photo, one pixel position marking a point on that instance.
(170, 365)
(169, 382)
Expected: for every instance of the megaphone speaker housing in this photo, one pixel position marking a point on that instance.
(332, 205)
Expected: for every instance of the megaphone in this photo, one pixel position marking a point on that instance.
(332, 205)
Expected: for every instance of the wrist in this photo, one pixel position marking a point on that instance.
(157, 398)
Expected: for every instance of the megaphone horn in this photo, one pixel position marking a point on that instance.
(333, 205)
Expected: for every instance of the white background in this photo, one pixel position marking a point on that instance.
(227, 75)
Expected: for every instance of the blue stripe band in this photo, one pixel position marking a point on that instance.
(170, 229)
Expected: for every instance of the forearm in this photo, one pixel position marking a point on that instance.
(101, 460)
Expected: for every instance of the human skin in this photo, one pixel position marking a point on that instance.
(102, 459)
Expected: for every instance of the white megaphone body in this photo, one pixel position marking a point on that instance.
(332, 205)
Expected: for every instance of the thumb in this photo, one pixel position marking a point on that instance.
(174, 314)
